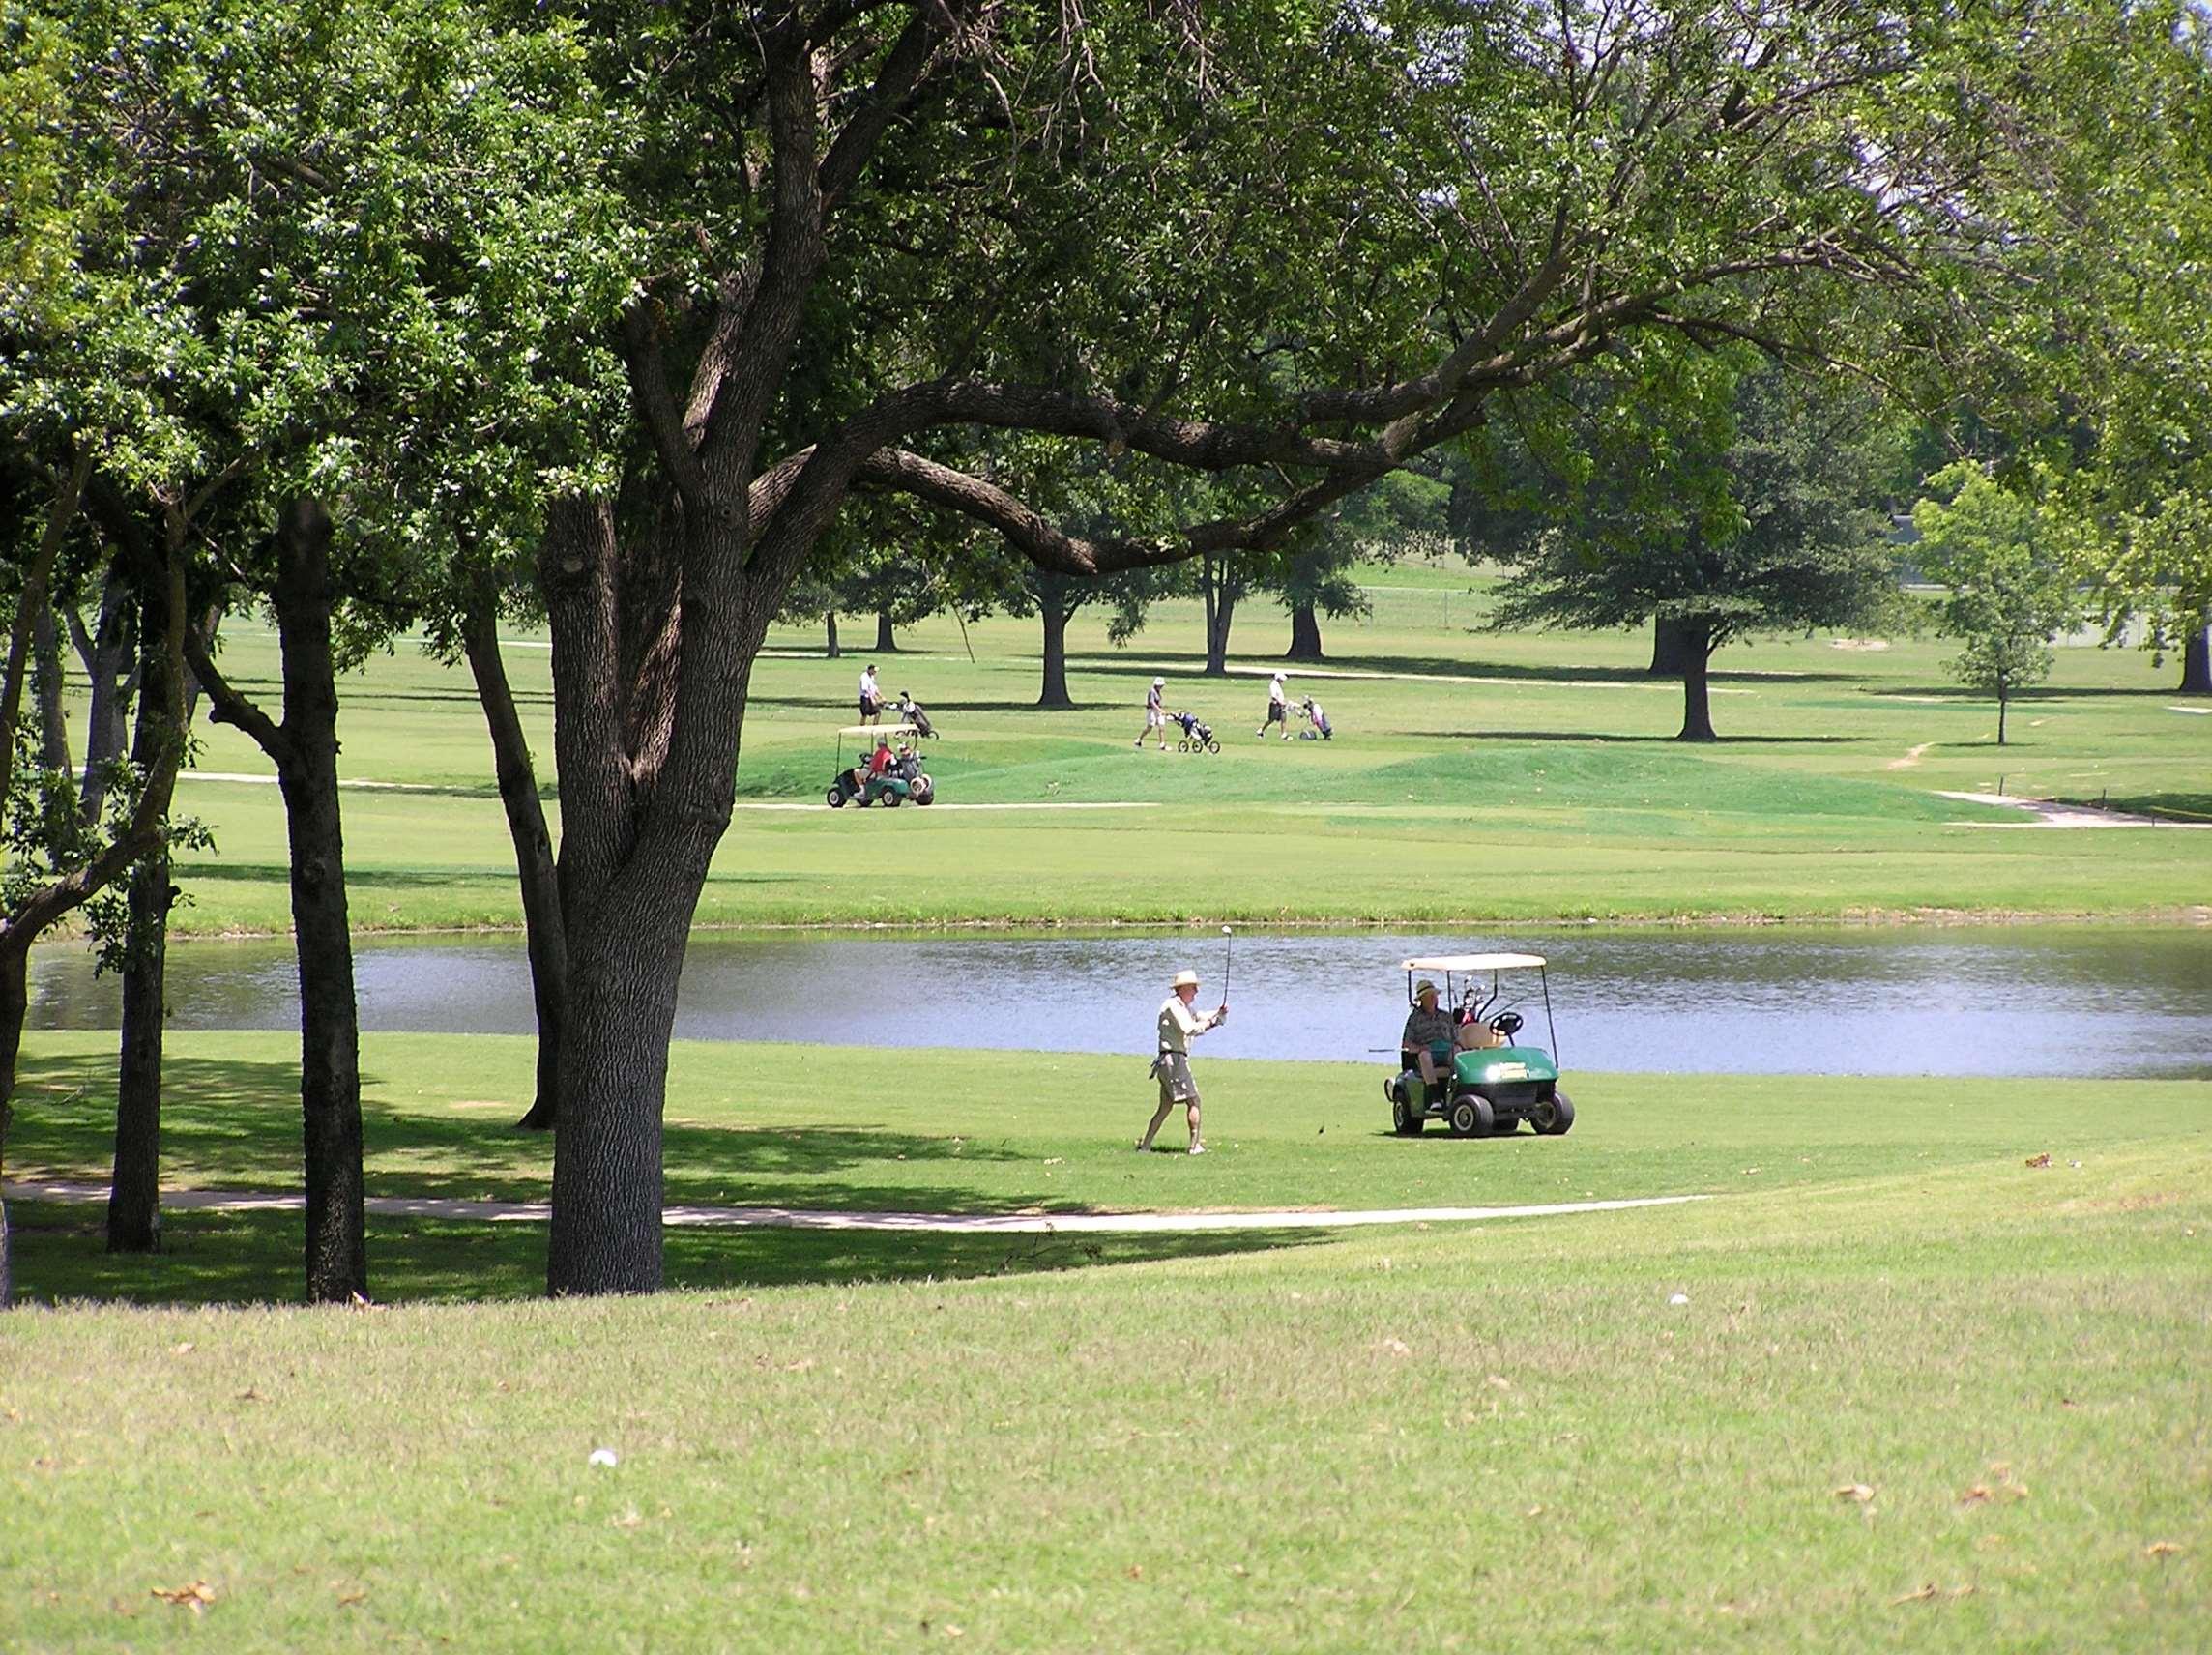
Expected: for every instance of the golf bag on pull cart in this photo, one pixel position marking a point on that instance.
(1196, 737)
(910, 711)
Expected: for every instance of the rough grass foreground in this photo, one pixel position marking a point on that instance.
(1923, 1394)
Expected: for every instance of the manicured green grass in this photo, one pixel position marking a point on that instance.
(1493, 1436)
(1480, 777)
(998, 1132)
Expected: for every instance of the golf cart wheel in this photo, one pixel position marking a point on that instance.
(925, 790)
(1471, 1116)
(891, 799)
(1183, 746)
(1405, 1118)
(836, 798)
(1553, 1114)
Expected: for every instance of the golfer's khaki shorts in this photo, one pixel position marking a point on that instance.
(1176, 1084)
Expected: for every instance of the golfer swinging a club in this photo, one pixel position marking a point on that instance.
(1172, 1068)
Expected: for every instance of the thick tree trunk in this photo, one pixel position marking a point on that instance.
(829, 622)
(885, 644)
(607, 1186)
(534, 860)
(105, 653)
(1055, 609)
(1670, 648)
(1305, 634)
(1697, 704)
(2197, 662)
(329, 1034)
(646, 796)
(46, 687)
(134, 1192)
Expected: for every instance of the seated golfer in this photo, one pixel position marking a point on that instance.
(1427, 1026)
(1172, 1068)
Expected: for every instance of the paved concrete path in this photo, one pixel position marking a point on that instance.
(2048, 813)
(806, 1218)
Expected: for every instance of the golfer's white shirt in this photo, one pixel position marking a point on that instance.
(1179, 1023)
(868, 690)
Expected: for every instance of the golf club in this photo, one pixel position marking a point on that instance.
(1228, 946)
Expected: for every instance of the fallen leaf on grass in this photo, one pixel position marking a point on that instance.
(1135, 1571)
(2042, 1160)
(1500, 1381)
(181, 1349)
(628, 1520)
(1929, 1591)
(1975, 1495)
(2160, 1549)
(1397, 1348)
(1858, 1491)
(249, 1394)
(196, 1597)
(357, 1595)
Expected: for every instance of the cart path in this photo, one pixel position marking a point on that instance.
(258, 780)
(810, 1218)
(2048, 813)
(942, 805)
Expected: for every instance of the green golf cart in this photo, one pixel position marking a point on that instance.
(1487, 1082)
(902, 781)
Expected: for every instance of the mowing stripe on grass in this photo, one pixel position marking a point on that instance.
(810, 1218)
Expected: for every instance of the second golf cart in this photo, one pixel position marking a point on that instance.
(895, 781)
(1483, 1081)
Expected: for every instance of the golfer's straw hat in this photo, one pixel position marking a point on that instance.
(1185, 979)
(1424, 986)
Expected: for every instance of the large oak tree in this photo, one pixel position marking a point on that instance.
(1286, 246)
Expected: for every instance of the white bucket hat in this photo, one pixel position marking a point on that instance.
(1185, 979)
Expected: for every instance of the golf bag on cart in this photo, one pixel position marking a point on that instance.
(1197, 737)
(911, 711)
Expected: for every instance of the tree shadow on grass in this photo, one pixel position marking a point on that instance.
(2184, 807)
(1245, 672)
(235, 1125)
(211, 1258)
(1600, 738)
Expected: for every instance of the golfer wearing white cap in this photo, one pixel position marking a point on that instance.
(1155, 715)
(1278, 707)
(1178, 1023)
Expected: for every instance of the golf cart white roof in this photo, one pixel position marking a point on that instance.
(1475, 963)
(877, 730)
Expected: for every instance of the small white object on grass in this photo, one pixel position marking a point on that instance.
(1679, 1298)
(603, 1456)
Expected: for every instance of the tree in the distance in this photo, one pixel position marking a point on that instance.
(2011, 591)
(1748, 505)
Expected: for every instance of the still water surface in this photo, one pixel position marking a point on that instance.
(1988, 1001)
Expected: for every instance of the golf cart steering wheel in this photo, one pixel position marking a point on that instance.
(1508, 1024)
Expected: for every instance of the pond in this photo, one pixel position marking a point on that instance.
(2034, 1000)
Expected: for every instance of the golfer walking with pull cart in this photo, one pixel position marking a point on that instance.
(1155, 715)
(1179, 1024)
